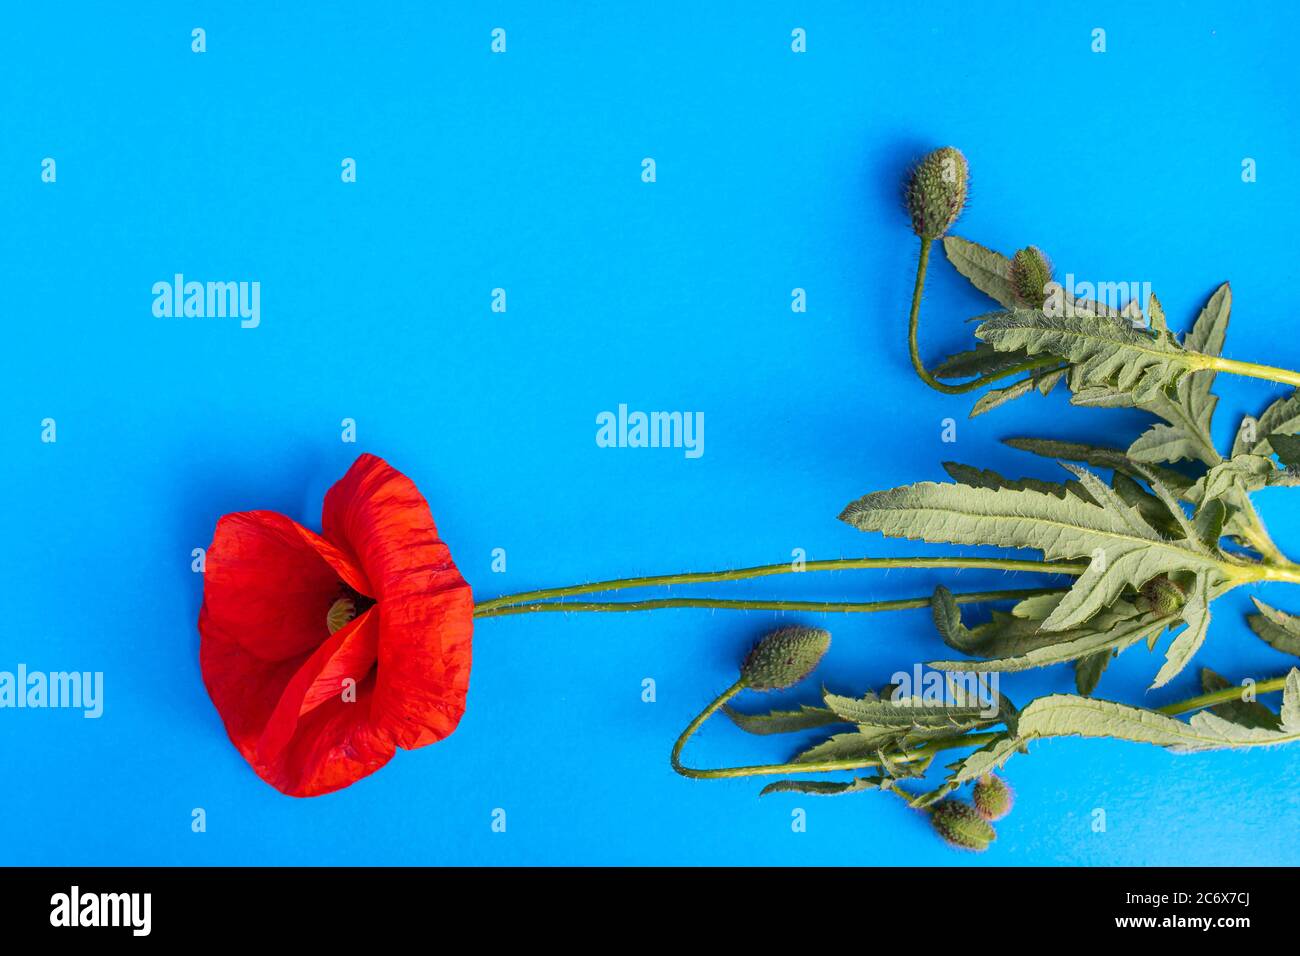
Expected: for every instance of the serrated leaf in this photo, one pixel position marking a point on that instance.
(905, 714)
(823, 788)
(1153, 510)
(1113, 634)
(1099, 457)
(1068, 715)
(783, 721)
(1247, 713)
(1196, 612)
(1156, 313)
(1290, 712)
(987, 478)
(1287, 449)
(1279, 630)
(1280, 418)
(981, 360)
(1209, 520)
(992, 756)
(1120, 546)
(987, 270)
(859, 745)
(997, 397)
(1088, 671)
(1165, 443)
(1103, 351)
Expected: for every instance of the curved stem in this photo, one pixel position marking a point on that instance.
(1199, 702)
(1253, 370)
(828, 607)
(914, 321)
(765, 570)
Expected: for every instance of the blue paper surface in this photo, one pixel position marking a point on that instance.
(523, 171)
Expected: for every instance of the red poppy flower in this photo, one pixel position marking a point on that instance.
(314, 711)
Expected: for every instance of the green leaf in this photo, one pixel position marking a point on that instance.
(981, 360)
(987, 270)
(823, 788)
(1209, 522)
(1156, 312)
(1291, 703)
(997, 397)
(1121, 546)
(783, 721)
(1206, 337)
(1280, 418)
(1196, 612)
(1088, 671)
(1279, 630)
(1110, 632)
(990, 757)
(905, 714)
(1099, 457)
(1287, 449)
(1247, 713)
(1154, 511)
(1166, 443)
(1067, 715)
(987, 478)
(1104, 351)
(849, 746)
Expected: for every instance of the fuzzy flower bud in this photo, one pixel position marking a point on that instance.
(936, 192)
(993, 798)
(961, 826)
(1031, 271)
(784, 658)
(1160, 595)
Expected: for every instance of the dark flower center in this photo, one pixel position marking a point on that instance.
(346, 607)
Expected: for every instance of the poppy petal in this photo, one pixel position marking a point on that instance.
(426, 623)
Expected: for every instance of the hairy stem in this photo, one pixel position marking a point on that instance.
(766, 570)
(915, 754)
(1253, 370)
(830, 607)
(914, 321)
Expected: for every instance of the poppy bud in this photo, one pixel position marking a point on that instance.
(1160, 595)
(1031, 271)
(340, 614)
(936, 192)
(993, 798)
(784, 658)
(961, 826)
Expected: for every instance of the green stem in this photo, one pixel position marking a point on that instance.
(1199, 702)
(828, 607)
(1253, 370)
(914, 321)
(765, 570)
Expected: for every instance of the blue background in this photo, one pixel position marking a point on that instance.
(475, 171)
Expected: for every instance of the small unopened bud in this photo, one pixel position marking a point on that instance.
(936, 192)
(993, 798)
(961, 825)
(1031, 271)
(784, 658)
(1160, 595)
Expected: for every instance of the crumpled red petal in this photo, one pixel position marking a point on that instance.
(427, 620)
(280, 681)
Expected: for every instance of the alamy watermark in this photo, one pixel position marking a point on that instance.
(1073, 299)
(931, 688)
(208, 300)
(634, 429)
(74, 690)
